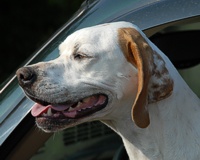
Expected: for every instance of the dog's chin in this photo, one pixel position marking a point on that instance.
(48, 124)
(56, 117)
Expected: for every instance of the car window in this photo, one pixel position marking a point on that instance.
(191, 76)
(14, 105)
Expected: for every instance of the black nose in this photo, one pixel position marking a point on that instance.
(26, 76)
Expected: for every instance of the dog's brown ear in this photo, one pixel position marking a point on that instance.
(154, 82)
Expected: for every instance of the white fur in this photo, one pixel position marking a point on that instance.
(174, 130)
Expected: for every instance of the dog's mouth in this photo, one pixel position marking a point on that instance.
(84, 107)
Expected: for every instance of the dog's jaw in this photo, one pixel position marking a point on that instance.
(52, 118)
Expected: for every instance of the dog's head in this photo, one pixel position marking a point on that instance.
(101, 71)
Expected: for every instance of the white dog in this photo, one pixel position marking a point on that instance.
(114, 74)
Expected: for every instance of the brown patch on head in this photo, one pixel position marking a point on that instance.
(151, 68)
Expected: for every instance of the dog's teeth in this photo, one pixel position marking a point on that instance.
(79, 103)
(70, 109)
(49, 113)
(86, 100)
(44, 114)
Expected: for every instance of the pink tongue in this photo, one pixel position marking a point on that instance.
(38, 109)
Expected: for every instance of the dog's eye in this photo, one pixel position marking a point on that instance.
(79, 56)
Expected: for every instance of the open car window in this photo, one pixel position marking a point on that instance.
(14, 106)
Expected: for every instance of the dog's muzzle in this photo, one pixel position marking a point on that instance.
(50, 114)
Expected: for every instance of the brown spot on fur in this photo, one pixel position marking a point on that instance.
(155, 85)
(154, 81)
(161, 77)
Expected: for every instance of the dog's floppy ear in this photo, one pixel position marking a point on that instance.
(154, 81)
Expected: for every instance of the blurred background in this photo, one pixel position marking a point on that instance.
(26, 25)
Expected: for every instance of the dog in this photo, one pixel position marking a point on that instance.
(114, 73)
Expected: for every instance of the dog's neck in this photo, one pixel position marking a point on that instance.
(174, 130)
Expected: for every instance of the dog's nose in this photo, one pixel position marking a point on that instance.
(26, 76)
